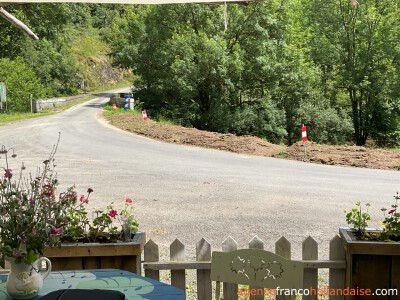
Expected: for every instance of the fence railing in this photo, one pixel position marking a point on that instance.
(178, 265)
(39, 104)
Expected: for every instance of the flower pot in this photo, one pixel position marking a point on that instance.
(371, 264)
(80, 256)
(24, 281)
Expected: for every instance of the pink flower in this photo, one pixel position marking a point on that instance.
(83, 199)
(56, 231)
(47, 190)
(113, 213)
(8, 174)
(391, 211)
(128, 200)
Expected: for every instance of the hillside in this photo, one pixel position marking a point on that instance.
(92, 57)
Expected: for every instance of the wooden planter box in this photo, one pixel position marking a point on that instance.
(371, 265)
(125, 256)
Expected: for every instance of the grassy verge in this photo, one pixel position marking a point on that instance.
(109, 111)
(112, 115)
(14, 117)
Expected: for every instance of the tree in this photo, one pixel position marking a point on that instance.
(355, 44)
(255, 77)
(54, 64)
(191, 67)
(46, 20)
(21, 81)
(58, 26)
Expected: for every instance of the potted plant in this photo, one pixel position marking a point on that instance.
(110, 240)
(35, 220)
(30, 218)
(372, 255)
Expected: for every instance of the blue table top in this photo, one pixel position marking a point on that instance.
(132, 285)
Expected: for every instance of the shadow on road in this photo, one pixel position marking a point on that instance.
(103, 95)
(94, 105)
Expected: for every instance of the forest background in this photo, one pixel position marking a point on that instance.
(331, 65)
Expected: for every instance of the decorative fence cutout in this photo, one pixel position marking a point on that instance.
(336, 265)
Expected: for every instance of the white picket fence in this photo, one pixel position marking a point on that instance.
(178, 265)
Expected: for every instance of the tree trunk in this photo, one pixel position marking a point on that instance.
(360, 134)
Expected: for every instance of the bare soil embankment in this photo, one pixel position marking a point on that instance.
(353, 156)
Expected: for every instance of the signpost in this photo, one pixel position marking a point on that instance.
(144, 114)
(304, 133)
(126, 103)
(132, 104)
(304, 138)
(3, 95)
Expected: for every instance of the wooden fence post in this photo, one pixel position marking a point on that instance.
(337, 277)
(284, 249)
(310, 252)
(256, 243)
(203, 253)
(177, 253)
(151, 254)
(230, 290)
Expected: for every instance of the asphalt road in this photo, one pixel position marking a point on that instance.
(189, 193)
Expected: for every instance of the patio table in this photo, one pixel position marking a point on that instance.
(132, 285)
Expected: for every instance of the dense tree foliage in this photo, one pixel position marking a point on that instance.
(252, 78)
(21, 83)
(58, 26)
(355, 44)
(331, 65)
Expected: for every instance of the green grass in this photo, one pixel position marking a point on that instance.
(89, 45)
(113, 117)
(163, 121)
(14, 117)
(109, 111)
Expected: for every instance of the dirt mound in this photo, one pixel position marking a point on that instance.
(344, 155)
(322, 154)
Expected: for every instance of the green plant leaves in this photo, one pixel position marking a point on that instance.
(358, 217)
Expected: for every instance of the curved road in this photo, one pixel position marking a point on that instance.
(188, 193)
